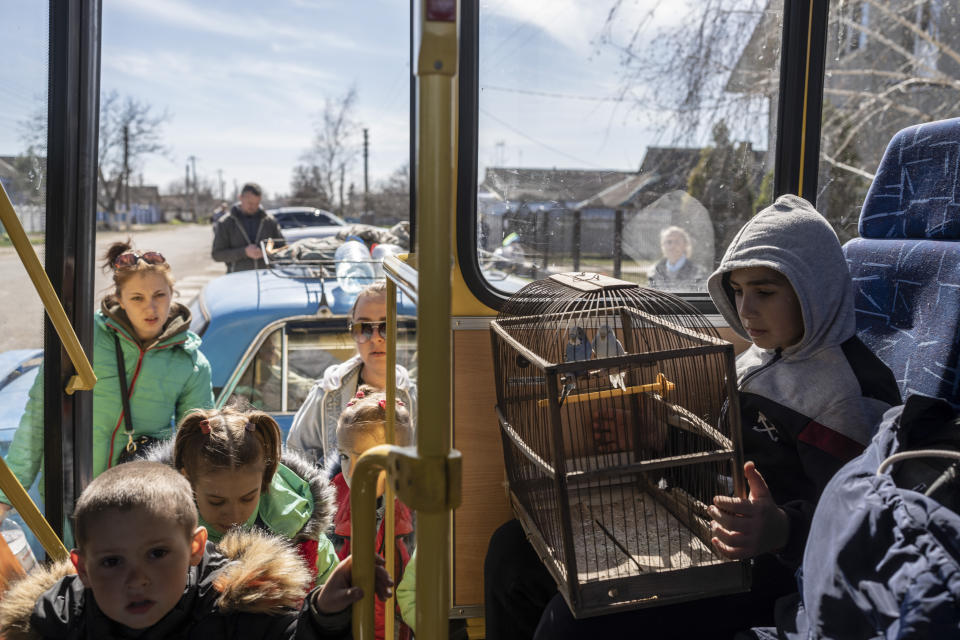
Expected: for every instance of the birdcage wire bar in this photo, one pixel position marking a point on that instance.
(619, 524)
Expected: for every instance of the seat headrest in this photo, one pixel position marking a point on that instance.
(915, 192)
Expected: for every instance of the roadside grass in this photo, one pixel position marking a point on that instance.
(34, 238)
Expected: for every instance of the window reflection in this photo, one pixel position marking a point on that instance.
(890, 65)
(593, 141)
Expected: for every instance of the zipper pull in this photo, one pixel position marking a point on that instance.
(131, 447)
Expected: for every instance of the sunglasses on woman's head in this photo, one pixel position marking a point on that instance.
(130, 259)
(363, 331)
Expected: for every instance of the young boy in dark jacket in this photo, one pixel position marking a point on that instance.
(144, 569)
(811, 395)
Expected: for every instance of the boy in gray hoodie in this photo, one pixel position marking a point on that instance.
(811, 395)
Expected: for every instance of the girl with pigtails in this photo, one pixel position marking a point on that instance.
(150, 371)
(241, 477)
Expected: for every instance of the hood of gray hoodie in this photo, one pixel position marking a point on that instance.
(814, 376)
(790, 237)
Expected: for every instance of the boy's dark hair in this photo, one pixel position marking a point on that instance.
(151, 486)
(216, 440)
(252, 187)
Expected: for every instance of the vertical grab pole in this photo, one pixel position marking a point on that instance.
(363, 507)
(436, 66)
(389, 543)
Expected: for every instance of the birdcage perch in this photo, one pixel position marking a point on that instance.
(662, 386)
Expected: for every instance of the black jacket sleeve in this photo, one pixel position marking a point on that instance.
(223, 250)
(312, 624)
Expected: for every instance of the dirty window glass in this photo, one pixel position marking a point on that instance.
(890, 65)
(609, 140)
(24, 77)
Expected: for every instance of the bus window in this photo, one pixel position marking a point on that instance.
(889, 65)
(24, 48)
(610, 138)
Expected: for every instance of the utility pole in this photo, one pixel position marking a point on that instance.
(220, 181)
(193, 162)
(342, 168)
(366, 181)
(126, 171)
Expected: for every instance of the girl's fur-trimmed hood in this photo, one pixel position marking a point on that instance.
(323, 491)
(248, 572)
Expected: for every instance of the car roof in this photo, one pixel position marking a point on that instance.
(241, 304)
(291, 210)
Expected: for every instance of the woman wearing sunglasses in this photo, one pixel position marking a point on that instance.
(314, 428)
(163, 371)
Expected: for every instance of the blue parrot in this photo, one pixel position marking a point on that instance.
(606, 345)
(578, 346)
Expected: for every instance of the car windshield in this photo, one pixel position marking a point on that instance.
(308, 218)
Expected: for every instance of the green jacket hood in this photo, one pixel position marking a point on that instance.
(299, 505)
(176, 326)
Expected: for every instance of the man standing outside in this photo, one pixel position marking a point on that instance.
(237, 235)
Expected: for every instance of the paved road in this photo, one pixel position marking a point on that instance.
(186, 247)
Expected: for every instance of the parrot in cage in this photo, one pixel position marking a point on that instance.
(578, 345)
(606, 345)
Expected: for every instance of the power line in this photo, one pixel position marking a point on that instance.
(546, 94)
(537, 142)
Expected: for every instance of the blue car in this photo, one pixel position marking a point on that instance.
(18, 370)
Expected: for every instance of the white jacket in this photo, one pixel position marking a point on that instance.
(314, 428)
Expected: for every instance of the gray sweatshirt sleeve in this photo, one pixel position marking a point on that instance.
(305, 434)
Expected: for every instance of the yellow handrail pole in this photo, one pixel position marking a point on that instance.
(31, 515)
(389, 546)
(436, 66)
(363, 506)
(428, 485)
(84, 379)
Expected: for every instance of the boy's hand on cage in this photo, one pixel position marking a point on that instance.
(338, 592)
(745, 528)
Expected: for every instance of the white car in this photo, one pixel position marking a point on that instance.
(297, 223)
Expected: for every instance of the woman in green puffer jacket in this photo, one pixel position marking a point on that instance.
(166, 374)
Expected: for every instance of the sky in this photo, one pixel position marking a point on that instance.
(244, 81)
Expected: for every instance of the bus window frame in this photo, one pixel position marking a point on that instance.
(69, 254)
(798, 121)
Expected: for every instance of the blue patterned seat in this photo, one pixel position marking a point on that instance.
(906, 263)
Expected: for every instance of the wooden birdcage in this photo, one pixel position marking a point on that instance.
(620, 422)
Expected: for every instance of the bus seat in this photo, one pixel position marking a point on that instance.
(906, 263)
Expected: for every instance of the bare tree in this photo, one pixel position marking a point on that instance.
(891, 64)
(333, 152)
(389, 200)
(682, 70)
(129, 131)
(306, 188)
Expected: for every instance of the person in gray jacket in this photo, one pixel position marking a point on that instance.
(237, 235)
(314, 428)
